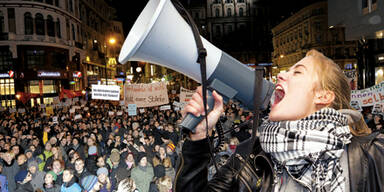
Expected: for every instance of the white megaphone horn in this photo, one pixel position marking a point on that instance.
(161, 36)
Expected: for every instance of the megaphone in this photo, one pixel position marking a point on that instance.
(161, 36)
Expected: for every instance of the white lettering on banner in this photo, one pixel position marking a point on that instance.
(106, 92)
(185, 95)
(146, 95)
(369, 96)
(165, 107)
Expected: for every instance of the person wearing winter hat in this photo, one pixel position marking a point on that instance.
(37, 176)
(105, 184)
(49, 182)
(23, 181)
(143, 173)
(159, 172)
(88, 182)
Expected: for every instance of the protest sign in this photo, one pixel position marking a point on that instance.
(56, 100)
(111, 113)
(12, 110)
(185, 95)
(369, 96)
(55, 119)
(76, 99)
(142, 110)
(132, 109)
(78, 117)
(165, 107)
(49, 110)
(72, 110)
(106, 92)
(146, 95)
(21, 110)
(122, 103)
(42, 106)
(119, 113)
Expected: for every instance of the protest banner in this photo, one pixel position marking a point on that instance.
(369, 96)
(165, 107)
(49, 110)
(106, 92)
(146, 95)
(132, 109)
(185, 95)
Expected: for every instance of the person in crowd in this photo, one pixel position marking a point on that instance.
(47, 153)
(127, 185)
(23, 181)
(22, 162)
(105, 184)
(88, 183)
(10, 169)
(49, 182)
(80, 170)
(69, 182)
(169, 170)
(164, 184)
(56, 154)
(58, 168)
(142, 174)
(37, 176)
(377, 123)
(317, 145)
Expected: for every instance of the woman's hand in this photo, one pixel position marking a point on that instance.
(196, 107)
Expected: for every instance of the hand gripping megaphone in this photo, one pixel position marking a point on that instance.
(161, 36)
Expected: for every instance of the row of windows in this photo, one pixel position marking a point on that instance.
(229, 12)
(37, 25)
(227, 1)
(55, 3)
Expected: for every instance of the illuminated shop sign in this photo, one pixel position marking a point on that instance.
(48, 74)
(4, 75)
(77, 74)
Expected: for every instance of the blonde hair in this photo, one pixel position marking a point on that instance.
(332, 78)
(167, 162)
(164, 184)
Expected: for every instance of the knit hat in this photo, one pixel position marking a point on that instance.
(33, 164)
(92, 150)
(102, 170)
(141, 155)
(88, 182)
(159, 171)
(171, 146)
(21, 175)
(115, 156)
(53, 175)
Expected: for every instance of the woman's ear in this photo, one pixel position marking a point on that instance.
(324, 97)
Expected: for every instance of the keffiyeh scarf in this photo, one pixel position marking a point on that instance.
(309, 149)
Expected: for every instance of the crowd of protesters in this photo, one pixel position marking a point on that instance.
(99, 151)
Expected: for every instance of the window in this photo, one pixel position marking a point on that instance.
(1, 22)
(49, 86)
(35, 58)
(57, 3)
(217, 11)
(229, 12)
(7, 87)
(34, 87)
(240, 1)
(50, 26)
(368, 6)
(70, 5)
(58, 29)
(28, 24)
(73, 33)
(49, 2)
(218, 30)
(5, 60)
(228, 1)
(40, 27)
(241, 12)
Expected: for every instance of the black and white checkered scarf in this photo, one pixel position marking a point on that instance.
(309, 149)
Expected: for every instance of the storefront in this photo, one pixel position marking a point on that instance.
(7, 90)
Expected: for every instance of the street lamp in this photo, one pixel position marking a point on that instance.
(112, 41)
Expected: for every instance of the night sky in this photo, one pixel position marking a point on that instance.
(128, 11)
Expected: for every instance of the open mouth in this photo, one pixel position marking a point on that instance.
(278, 95)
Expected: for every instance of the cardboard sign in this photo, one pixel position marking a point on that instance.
(132, 109)
(106, 92)
(146, 95)
(165, 107)
(78, 117)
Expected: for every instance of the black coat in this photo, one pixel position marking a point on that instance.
(250, 168)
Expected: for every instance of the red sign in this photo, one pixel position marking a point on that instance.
(77, 74)
(11, 73)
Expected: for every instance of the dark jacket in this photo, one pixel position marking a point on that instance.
(26, 187)
(254, 172)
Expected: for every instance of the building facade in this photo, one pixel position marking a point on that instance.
(43, 47)
(363, 21)
(308, 29)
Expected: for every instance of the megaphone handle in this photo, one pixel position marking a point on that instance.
(190, 121)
